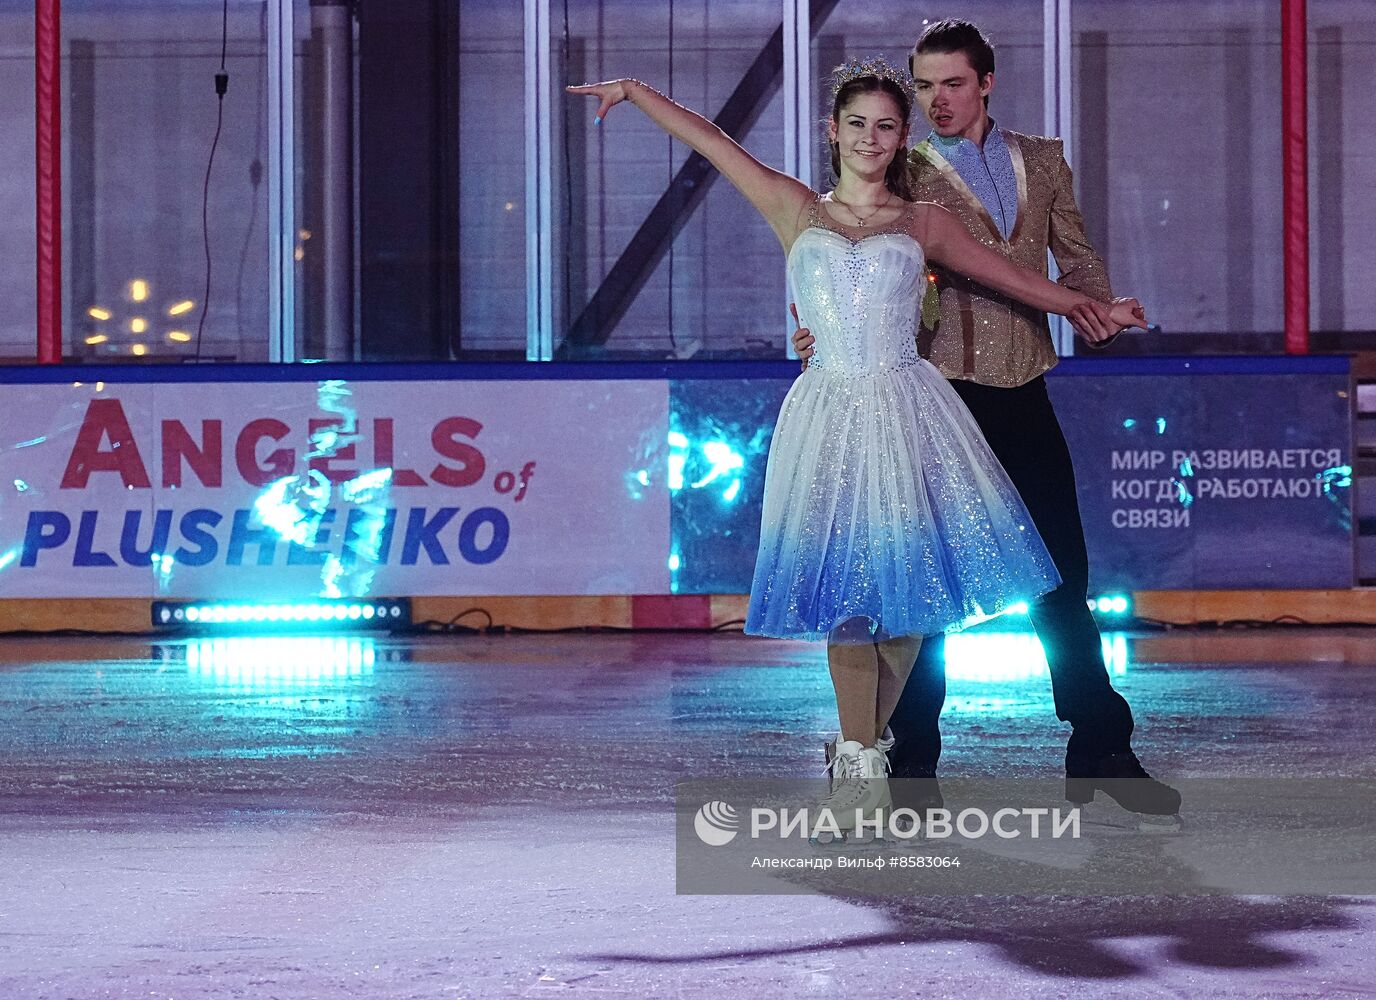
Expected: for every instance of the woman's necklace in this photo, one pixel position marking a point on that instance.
(862, 220)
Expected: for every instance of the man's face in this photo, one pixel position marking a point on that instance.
(951, 94)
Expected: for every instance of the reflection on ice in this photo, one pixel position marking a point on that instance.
(1115, 646)
(1010, 656)
(163, 565)
(277, 662)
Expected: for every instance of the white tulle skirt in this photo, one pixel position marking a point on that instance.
(885, 514)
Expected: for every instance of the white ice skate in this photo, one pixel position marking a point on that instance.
(884, 744)
(859, 790)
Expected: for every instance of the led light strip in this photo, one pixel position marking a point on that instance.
(378, 613)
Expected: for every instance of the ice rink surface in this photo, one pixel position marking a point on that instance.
(493, 817)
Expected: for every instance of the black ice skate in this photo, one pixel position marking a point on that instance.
(1122, 778)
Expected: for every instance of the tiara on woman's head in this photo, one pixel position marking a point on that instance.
(878, 67)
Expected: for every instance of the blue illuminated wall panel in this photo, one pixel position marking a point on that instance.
(1192, 473)
(720, 431)
(1213, 472)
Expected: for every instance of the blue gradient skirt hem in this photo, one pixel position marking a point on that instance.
(883, 503)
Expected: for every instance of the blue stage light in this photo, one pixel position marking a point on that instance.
(233, 616)
(1110, 604)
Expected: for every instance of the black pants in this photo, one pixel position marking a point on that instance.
(1023, 432)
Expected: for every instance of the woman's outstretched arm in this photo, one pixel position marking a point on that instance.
(946, 241)
(777, 196)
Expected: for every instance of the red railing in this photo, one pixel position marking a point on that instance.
(48, 107)
(1295, 157)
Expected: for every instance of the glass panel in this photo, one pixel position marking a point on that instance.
(138, 125)
(1177, 114)
(716, 289)
(492, 168)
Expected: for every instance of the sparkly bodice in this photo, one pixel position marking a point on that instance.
(860, 297)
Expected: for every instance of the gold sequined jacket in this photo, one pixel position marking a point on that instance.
(984, 336)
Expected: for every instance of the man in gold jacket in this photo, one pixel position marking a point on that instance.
(1014, 193)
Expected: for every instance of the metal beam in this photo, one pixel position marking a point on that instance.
(539, 185)
(1057, 120)
(281, 182)
(798, 132)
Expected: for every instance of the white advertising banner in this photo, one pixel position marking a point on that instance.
(334, 488)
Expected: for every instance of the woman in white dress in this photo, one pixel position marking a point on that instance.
(885, 516)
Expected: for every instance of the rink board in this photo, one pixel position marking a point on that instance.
(604, 479)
